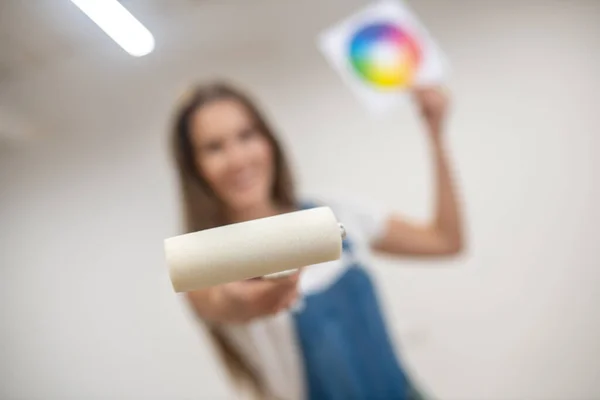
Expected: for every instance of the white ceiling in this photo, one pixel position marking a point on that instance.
(35, 33)
(59, 71)
(39, 38)
(52, 56)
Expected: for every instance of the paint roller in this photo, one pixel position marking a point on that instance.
(268, 247)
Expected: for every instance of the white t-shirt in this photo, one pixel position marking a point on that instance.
(270, 344)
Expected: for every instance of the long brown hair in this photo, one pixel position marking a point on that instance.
(203, 210)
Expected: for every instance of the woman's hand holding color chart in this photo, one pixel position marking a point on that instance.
(382, 52)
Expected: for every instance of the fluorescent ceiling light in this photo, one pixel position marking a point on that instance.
(119, 24)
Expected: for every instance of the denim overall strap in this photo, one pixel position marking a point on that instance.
(345, 347)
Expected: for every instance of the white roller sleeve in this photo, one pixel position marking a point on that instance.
(253, 249)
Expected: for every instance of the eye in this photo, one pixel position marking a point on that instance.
(247, 134)
(212, 147)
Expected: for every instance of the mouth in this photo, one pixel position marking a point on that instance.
(244, 181)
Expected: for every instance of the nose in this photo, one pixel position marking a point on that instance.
(237, 156)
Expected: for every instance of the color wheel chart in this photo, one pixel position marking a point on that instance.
(381, 52)
(385, 55)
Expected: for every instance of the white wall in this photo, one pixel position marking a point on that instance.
(86, 307)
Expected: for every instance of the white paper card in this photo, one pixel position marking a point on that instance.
(383, 51)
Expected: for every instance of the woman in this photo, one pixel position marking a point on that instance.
(318, 334)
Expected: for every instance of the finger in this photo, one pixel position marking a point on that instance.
(270, 306)
(288, 300)
(273, 299)
(284, 303)
(424, 90)
(263, 296)
(267, 287)
(295, 277)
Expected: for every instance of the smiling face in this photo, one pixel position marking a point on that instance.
(234, 157)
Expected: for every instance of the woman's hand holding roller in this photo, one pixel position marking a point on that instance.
(243, 301)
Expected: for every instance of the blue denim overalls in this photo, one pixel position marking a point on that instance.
(347, 353)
